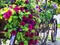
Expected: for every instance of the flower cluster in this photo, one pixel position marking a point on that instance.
(22, 23)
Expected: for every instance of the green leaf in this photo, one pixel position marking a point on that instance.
(10, 19)
(33, 31)
(25, 42)
(25, 29)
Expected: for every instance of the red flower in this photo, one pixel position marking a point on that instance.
(21, 43)
(13, 33)
(22, 23)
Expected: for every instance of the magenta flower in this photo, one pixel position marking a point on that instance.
(32, 34)
(30, 27)
(28, 20)
(19, 29)
(24, 18)
(27, 34)
(7, 14)
(13, 33)
(33, 22)
(22, 9)
(10, 6)
(27, 2)
(26, 10)
(16, 9)
(31, 41)
(22, 23)
(30, 16)
(21, 43)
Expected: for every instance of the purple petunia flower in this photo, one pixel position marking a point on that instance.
(40, 10)
(20, 29)
(37, 6)
(28, 20)
(54, 5)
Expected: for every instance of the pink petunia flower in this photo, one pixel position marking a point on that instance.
(22, 9)
(24, 18)
(30, 27)
(13, 33)
(22, 23)
(16, 9)
(27, 34)
(7, 14)
(21, 43)
(30, 16)
(27, 2)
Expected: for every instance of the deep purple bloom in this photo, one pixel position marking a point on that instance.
(37, 6)
(27, 34)
(27, 2)
(31, 41)
(40, 10)
(20, 29)
(26, 10)
(28, 20)
(13, 33)
(32, 34)
(22, 23)
(30, 16)
(30, 27)
(22, 9)
(24, 18)
(33, 22)
(21, 43)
